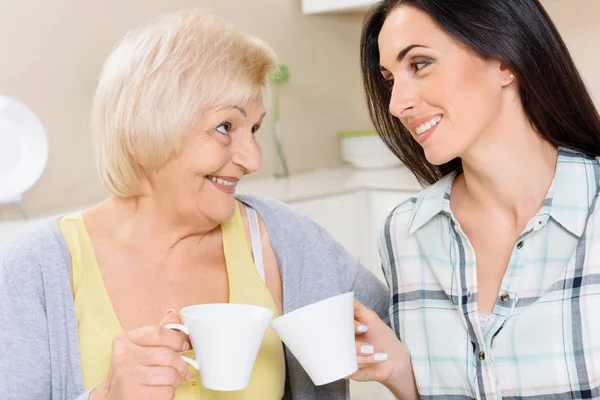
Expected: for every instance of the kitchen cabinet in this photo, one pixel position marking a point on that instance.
(337, 214)
(355, 219)
(328, 6)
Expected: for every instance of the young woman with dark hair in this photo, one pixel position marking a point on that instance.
(493, 268)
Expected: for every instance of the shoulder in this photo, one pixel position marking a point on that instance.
(404, 210)
(394, 230)
(268, 207)
(22, 253)
(400, 218)
(279, 218)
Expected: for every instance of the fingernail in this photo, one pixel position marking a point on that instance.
(188, 376)
(367, 349)
(363, 328)
(186, 346)
(170, 310)
(380, 357)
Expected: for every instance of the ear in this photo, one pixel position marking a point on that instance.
(506, 75)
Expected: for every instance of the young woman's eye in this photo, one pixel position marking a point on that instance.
(224, 128)
(419, 64)
(255, 129)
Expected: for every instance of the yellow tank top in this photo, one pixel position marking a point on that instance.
(98, 323)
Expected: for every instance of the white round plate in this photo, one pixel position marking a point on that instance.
(23, 149)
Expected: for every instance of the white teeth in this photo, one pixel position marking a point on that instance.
(221, 181)
(424, 127)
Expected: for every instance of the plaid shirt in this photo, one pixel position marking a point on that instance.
(543, 341)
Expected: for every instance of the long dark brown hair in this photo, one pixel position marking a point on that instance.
(517, 33)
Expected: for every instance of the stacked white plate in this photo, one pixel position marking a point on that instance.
(366, 151)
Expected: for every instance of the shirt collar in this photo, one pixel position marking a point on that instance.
(568, 201)
(432, 201)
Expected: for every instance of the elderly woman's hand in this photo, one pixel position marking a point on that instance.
(381, 356)
(145, 364)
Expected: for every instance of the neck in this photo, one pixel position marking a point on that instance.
(144, 223)
(509, 171)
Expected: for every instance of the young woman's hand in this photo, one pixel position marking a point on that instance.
(381, 356)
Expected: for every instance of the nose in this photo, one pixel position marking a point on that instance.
(247, 154)
(404, 99)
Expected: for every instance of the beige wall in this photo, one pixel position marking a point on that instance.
(577, 21)
(52, 52)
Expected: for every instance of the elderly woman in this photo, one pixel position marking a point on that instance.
(84, 298)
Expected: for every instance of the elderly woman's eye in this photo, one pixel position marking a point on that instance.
(224, 128)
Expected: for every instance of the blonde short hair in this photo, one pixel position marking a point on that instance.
(157, 82)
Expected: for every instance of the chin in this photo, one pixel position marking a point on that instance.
(438, 155)
(222, 211)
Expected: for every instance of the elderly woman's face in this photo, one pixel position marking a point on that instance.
(215, 155)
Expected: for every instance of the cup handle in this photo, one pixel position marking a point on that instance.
(182, 328)
(178, 327)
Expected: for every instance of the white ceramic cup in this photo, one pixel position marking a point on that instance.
(321, 337)
(226, 339)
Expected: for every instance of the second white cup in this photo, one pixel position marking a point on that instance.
(321, 337)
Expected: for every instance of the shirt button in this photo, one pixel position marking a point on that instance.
(505, 297)
(482, 356)
(520, 245)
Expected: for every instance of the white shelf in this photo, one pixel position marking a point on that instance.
(329, 6)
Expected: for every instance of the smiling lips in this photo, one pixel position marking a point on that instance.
(425, 124)
(224, 183)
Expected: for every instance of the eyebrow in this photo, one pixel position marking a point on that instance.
(403, 54)
(405, 51)
(241, 110)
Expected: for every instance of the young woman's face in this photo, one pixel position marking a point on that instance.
(444, 93)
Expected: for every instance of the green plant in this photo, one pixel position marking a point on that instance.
(278, 78)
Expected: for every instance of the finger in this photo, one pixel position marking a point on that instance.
(365, 316)
(361, 313)
(360, 328)
(376, 358)
(159, 376)
(157, 336)
(364, 349)
(171, 317)
(164, 357)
